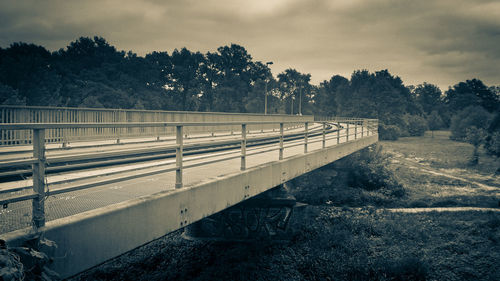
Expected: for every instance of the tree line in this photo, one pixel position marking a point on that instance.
(90, 72)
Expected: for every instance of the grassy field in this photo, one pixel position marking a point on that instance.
(346, 232)
(435, 171)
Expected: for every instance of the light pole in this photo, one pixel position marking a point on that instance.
(265, 93)
(300, 101)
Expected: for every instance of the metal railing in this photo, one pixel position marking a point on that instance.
(39, 114)
(356, 128)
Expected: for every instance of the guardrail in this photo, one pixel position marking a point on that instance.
(39, 114)
(356, 128)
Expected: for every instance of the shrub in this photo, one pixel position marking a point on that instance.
(417, 125)
(475, 137)
(492, 144)
(368, 170)
(471, 116)
(434, 121)
(359, 179)
(388, 132)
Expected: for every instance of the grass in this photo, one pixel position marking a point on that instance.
(452, 181)
(441, 152)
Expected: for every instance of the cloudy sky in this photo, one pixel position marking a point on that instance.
(436, 41)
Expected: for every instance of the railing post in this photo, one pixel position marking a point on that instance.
(306, 131)
(324, 135)
(38, 203)
(338, 132)
(243, 146)
(363, 129)
(281, 141)
(347, 134)
(356, 130)
(178, 157)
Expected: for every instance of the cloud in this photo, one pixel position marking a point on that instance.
(437, 41)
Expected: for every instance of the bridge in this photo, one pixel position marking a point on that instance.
(102, 182)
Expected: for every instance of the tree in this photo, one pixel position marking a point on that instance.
(470, 93)
(434, 121)
(476, 137)
(472, 116)
(376, 95)
(428, 96)
(87, 53)
(326, 99)
(294, 86)
(417, 125)
(235, 78)
(210, 78)
(184, 76)
(9, 96)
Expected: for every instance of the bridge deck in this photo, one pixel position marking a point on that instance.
(18, 215)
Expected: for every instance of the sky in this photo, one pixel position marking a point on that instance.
(441, 42)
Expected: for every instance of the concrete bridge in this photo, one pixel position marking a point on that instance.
(153, 176)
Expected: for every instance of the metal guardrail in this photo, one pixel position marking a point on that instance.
(354, 127)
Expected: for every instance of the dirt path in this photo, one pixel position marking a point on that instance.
(415, 165)
(442, 209)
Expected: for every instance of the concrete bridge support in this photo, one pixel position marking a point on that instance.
(267, 216)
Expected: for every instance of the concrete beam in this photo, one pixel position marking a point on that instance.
(90, 238)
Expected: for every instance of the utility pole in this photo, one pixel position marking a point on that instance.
(265, 93)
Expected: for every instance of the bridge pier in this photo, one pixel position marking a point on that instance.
(266, 216)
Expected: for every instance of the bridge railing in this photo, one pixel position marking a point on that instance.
(39, 114)
(352, 129)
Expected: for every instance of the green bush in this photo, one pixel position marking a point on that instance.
(388, 132)
(434, 121)
(417, 125)
(471, 116)
(368, 170)
(359, 179)
(492, 144)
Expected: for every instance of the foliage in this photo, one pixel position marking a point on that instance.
(375, 95)
(417, 125)
(27, 262)
(326, 100)
(434, 121)
(9, 96)
(90, 72)
(492, 143)
(428, 96)
(476, 137)
(472, 93)
(471, 116)
(368, 170)
(359, 179)
(294, 87)
(388, 132)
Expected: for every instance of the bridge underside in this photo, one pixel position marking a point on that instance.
(90, 238)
